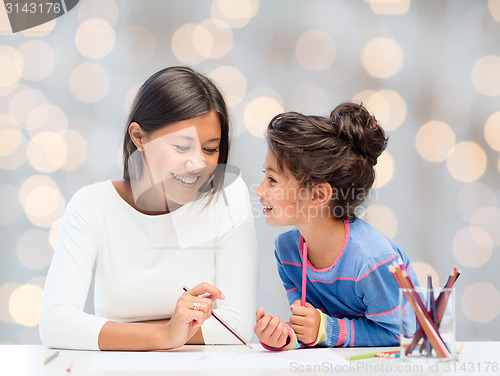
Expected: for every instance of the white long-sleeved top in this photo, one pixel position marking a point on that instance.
(143, 261)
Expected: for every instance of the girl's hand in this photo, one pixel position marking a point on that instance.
(305, 322)
(270, 330)
(190, 312)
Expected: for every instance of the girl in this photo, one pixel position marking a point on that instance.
(173, 221)
(318, 170)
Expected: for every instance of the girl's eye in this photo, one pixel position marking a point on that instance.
(180, 148)
(271, 179)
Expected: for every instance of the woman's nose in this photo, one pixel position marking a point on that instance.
(196, 161)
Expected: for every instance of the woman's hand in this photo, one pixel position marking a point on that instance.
(305, 322)
(192, 309)
(270, 330)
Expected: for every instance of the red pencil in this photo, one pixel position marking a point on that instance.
(227, 326)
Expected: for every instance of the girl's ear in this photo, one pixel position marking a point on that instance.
(322, 193)
(137, 135)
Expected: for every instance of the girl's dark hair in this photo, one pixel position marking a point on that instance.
(175, 94)
(341, 150)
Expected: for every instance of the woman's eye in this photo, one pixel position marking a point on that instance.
(181, 148)
(211, 150)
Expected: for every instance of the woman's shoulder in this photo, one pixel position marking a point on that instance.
(96, 193)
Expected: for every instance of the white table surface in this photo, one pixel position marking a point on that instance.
(477, 358)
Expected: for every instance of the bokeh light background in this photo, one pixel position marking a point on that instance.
(429, 70)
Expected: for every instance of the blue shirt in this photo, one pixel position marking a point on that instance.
(357, 294)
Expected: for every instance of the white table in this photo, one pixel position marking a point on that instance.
(477, 358)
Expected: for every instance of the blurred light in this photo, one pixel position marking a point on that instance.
(472, 197)
(421, 270)
(89, 82)
(41, 200)
(77, 150)
(10, 204)
(11, 66)
(34, 250)
(54, 233)
(103, 9)
(389, 6)
(47, 118)
(203, 41)
(136, 45)
(310, 99)
(47, 151)
(383, 219)
(6, 291)
(10, 135)
(38, 59)
(40, 30)
(236, 14)
(24, 102)
(24, 304)
(130, 96)
(91, 171)
(481, 302)
(472, 246)
(384, 170)
(237, 115)
(382, 57)
(183, 43)
(4, 22)
(435, 141)
(95, 38)
(259, 113)
(494, 7)
(388, 108)
(221, 38)
(467, 162)
(486, 75)
(315, 50)
(492, 131)
(489, 219)
(15, 159)
(231, 82)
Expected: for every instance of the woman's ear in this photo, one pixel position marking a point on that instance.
(137, 135)
(322, 193)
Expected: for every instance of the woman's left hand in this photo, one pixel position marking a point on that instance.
(305, 322)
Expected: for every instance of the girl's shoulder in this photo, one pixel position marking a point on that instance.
(370, 243)
(288, 242)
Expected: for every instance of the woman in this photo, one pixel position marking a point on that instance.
(174, 220)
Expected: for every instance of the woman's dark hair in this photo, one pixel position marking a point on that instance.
(341, 150)
(175, 94)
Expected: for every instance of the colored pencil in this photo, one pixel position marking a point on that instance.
(51, 358)
(418, 307)
(441, 304)
(70, 366)
(304, 275)
(227, 326)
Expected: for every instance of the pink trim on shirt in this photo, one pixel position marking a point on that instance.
(291, 263)
(341, 278)
(342, 332)
(384, 313)
(295, 288)
(375, 267)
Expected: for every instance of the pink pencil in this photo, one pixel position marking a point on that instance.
(304, 274)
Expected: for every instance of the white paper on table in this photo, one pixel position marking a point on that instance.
(211, 360)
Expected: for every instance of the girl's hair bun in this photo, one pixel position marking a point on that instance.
(361, 130)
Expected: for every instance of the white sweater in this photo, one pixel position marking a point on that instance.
(143, 261)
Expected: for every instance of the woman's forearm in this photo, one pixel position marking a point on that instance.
(197, 339)
(132, 336)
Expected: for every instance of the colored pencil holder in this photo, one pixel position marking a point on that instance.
(427, 323)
